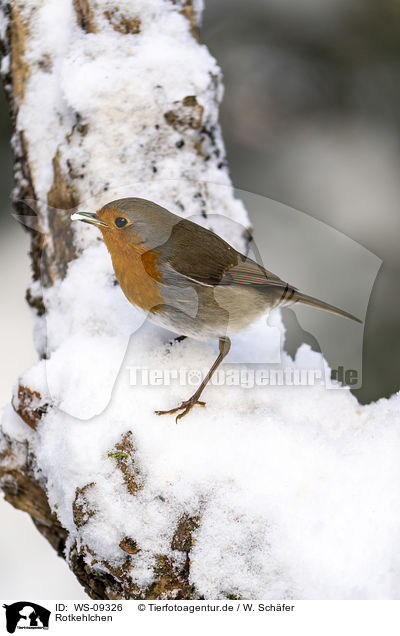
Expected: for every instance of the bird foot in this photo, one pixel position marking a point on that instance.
(185, 407)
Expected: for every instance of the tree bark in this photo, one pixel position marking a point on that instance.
(57, 142)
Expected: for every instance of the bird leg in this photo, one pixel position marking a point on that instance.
(187, 405)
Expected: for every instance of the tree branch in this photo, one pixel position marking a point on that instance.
(125, 134)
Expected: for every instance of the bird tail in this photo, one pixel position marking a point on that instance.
(299, 297)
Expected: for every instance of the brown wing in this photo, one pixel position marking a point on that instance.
(250, 273)
(202, 256)
(198, 253)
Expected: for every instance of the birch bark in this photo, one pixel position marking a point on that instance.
(107, 99)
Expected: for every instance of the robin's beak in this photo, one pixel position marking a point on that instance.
(88, 217)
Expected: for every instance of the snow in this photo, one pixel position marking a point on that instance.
(121, 87)
(295, 487)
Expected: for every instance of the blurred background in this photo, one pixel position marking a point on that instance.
(311, 118)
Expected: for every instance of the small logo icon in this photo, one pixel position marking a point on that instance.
(26, 615)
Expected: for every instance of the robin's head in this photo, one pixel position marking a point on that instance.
(130, 222)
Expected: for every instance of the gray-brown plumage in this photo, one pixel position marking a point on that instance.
(189, 279)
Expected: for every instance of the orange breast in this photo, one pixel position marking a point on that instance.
(136, 271)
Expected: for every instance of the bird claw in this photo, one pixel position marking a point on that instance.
(185, 407)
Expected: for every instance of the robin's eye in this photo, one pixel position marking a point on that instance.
(120, 221)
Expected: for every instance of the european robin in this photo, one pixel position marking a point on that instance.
(187, 278)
